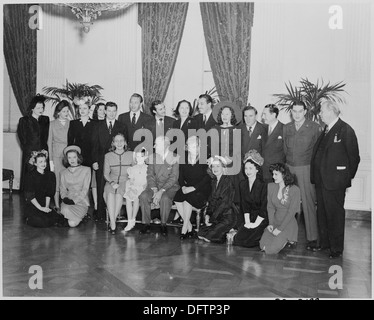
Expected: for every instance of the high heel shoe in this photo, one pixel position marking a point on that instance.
(191, 234)
(130, 225)
(183, 236)
(112, 231)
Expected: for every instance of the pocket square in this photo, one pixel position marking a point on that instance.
(259, 137)
(336, 139)
(279, 137)
(341, 167)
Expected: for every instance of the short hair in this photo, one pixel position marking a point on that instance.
(39, 154)
(207, 98)
(65, 161)
(39, 98)
(111, 104)
(233, 118)
(153, 106)
(176, 111)
(137, 95)
(112, 147)
(259, 174)
(61, 105)
(299, 103)
(273, 109)
(331, 105)
(95, 115)
(288, 177)
(246, 108)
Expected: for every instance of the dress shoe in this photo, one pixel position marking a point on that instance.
(95, 216)
(312, 245)
(183, 236)
(335, 254)
(145, 228)
(191, 234)
(164, 230)
(291, 245)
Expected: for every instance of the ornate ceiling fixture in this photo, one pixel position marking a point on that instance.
(87, 12)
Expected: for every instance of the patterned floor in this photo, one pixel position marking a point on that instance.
(90, 262)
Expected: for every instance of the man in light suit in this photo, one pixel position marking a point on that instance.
(162, 184)
(273, 150)
(253, 132)
(101, 142)
(134, 119)
(334, 164)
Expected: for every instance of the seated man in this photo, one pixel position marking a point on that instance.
(162, 184)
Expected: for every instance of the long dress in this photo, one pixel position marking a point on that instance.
(33, 136)
(137, 181)
(281, 213)
(39, 186)
(57, 141)
(221, 210)
(115, 170)
(194, 176)
(254, 202)
(75, 183)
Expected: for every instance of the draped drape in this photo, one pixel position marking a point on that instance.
(162, 28)
(20, 53)
(227, 29)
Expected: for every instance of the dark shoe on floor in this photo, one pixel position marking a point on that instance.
(183, 236)
(177, 221)
(335, 254)
(145, 228)
(291, 245)
(312, 245)
(164, 230)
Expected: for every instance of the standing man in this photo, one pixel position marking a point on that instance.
(273, 150)
(162, 184)
(161, 122)
(253, 132)
(300, 136)
(334, 164)
(102, 140)
(134, 119)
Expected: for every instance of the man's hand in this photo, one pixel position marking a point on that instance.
(157, 197)
(45, 209)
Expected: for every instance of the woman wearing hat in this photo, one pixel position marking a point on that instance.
(32, 132)
(221, 214)
(253, 202)
(74, 186)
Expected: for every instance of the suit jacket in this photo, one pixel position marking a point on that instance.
(273, 150)
(257, 139)
(81, 136)
(189, 123)
(102, 140)
(254, 201)
(210, 123)
(163, 174)
(168, 124)
(340, 158)
(143, 122)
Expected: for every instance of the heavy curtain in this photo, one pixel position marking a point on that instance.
(20, 53)
(162, 28)
(227, 29)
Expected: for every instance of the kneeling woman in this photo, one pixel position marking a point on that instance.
(253, 202)
(40, 186)
(221, 212)
(283, 204)
(75, 183)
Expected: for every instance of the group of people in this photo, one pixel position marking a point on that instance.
(251, 177)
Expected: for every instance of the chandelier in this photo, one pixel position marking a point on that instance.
(87, 12)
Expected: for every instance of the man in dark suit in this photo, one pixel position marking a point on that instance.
(161, 123)
(102, 139)
(205, 119)
(253, 132)
(334, 164)
(273, 150)
(134, 119)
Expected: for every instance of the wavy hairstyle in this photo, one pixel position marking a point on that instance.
(65, 161)
(112, 147)
(233, 118)
(259, 174)
(288, 178)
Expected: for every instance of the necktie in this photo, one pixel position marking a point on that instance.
(110, 127)
(204, 119)
(326, 130)
(160, 121)
(133, 120)
(250, 131)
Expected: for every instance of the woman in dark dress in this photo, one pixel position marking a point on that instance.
(184, 120)
(32, 132)
(221, 213)
(40, 186)
(195, 186)
(253, 203)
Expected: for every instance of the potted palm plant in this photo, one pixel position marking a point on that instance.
(312, 94)
(76, 94)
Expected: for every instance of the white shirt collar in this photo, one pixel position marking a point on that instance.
(332, 123)
(107, 122)
(252, 126)
(273, 125)
(207, 115)
(137, 114)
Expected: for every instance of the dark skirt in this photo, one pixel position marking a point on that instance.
(196, 199)
(249, 237)
(39, 219)
(217, 231)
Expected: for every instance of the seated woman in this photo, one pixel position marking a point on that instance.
(74, 186)
(283, 204)
(221, 212)
(253, 202)
(40, 186)
(195, 185)
(116, 163)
